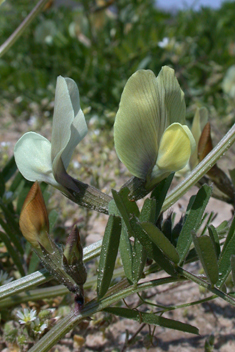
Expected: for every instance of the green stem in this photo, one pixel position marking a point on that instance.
(18, 32)
(55, 291)
(202, 168)
(169, 308)
(42, 276)
(203, 283)
(71, 320)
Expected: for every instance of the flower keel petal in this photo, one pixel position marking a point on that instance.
(176, 146)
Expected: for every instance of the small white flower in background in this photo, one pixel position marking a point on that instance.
(150, 135)
(27, 316)
(4, 279)
(38, 326)
(164, 42)
(38, 159)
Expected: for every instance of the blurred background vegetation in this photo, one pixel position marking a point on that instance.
(101, 43)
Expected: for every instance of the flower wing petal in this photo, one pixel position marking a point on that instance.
(136, 124)
(172, 108)
(33, 158)
(176, 146)
(69, 124)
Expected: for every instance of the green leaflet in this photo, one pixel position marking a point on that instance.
(147, 214)
(129, 254)
(160, 240)
(150, 318)
(207, 255)
(215, 239)
(53, 217)
(193, 220)
(232, 175)
(159, 193)
(232, 260)
(229, 235)
(125, 248)
(152, 250)
(227, 252)
(9, 169)
(108, 254)
(12, 252)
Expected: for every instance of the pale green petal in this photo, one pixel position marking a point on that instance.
(33, 158)
(176, 146)
(199, 121)
(136, 124)
(69, 124)
(171, 98)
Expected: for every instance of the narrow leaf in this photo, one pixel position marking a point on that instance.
(108, 254)
(193, 221)
(215, 239)
(229, 235)
(232, 175)
(12, 252)
(232, 259)
(159, 193)
(152, 319)
(53, 217)
(9, 169)
(160, 240)
(2, 185)
(227, 252)
(34, 262)
(124, 205)
(152, 250)
(140, 254)
(207, 256)
(125, 248)
(129, 254)
(148, 211)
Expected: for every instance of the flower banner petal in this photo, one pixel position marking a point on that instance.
(66, 107)
(176, 146)
(136, 124)
(78, 130)
(171, 97)
(33, 158)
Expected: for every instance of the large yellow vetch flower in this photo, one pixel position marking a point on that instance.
(150, 135)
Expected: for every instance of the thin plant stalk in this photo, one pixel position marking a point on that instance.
(19, 31)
